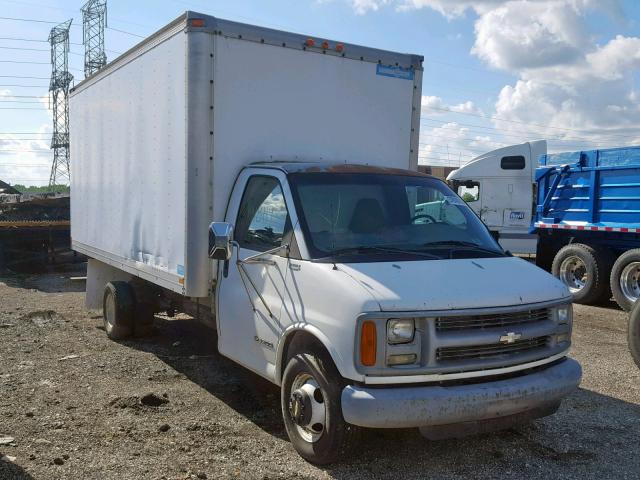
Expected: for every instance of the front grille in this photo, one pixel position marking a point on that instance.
(494, 350)
(497, 320)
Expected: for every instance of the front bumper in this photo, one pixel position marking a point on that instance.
(406, 407)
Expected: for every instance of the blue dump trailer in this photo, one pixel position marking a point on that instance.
(587, 219)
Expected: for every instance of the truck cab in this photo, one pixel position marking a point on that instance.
(499, 187)
(376, 298)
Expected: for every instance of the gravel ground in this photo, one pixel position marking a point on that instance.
(74, 404)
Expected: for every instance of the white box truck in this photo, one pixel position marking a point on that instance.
(270, 179)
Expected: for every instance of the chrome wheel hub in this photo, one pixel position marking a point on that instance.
(307, 408)
(630, 281)
(573, 273)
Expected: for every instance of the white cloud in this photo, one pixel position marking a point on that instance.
(450, 8)
(520, 35)
(25, 158)
(432, 105)
(363, 6)
(571, 90)
(452, 144)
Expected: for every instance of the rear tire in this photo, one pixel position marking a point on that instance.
(585, 271)
(118, 307)
(311, 382)
(634, 333)
(625, 279)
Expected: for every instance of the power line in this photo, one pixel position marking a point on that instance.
(21, 39)
(28, 150)
(501, 119)
(25, 48)
(25, 77)
(28, 20)
(496, 131)
(24, 86)
(17, 61)
(26, 165)
(15, 19)
(124, 31)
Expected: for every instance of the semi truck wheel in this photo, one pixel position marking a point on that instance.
(634, 333)
(625, 279)
(118, 307)
(312, 411)
(584, 270)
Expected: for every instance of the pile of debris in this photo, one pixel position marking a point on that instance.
(34, 228)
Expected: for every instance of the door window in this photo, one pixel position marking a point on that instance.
(470, 192)
(263, 220)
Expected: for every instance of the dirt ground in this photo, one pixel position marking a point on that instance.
(76, 405)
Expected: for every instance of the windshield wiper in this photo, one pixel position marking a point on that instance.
(372, 248)
(461, 243)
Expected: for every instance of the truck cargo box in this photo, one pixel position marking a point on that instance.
(595, 190)
(159, 135)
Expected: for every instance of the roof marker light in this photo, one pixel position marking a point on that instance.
(339, 47)
(310, 42)
(197, 22)
(325, 45)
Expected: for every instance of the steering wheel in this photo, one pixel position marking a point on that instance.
(423, 215)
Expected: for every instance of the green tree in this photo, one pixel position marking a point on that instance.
(42, 189)
(468, 197)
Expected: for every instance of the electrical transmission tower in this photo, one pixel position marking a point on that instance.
(59, 88)
(94, 21)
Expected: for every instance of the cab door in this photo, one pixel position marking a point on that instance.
(250, 295)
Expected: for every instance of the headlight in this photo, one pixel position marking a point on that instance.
(564, 314)
(400, 331)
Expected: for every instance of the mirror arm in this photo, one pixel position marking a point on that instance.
(257, 257)
(244, 276)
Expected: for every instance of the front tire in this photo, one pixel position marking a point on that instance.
(312, 410)
(625, 279)
(634, 333)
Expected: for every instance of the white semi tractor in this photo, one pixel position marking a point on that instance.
(500, 187)
(268, 181)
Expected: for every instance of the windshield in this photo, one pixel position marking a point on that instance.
(367, 216)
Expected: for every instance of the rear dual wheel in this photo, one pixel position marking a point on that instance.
(122, 315)
(625, 279)
(585, 271)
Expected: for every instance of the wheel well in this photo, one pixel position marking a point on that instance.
(297, 341)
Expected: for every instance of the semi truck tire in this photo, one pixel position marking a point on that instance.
(118, 307)
(312, 411)
(584, 270)
(634, 333)
(625, 279)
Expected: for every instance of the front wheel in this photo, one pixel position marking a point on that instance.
(312, 410)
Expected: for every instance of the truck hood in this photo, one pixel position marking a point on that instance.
(456, 284)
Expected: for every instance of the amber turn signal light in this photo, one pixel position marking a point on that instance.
(368, 344)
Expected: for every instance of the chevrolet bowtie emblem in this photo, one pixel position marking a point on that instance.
(510, 337)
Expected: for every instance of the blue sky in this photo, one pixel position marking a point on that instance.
(496, 72)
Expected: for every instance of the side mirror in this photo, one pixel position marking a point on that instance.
(220, 240)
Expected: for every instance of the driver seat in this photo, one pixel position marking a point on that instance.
(367, 217)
